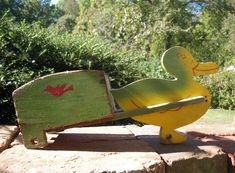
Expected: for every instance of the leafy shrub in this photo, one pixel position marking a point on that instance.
(29, 51)
(221, 86)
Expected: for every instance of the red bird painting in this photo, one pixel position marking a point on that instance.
(59, 90)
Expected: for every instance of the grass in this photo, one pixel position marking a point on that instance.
(218, 116)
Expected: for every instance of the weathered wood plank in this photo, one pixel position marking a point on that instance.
(60, 100)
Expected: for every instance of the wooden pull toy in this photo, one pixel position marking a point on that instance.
(82, 98)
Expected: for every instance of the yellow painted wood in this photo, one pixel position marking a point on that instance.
(147, 92)
(157, 108)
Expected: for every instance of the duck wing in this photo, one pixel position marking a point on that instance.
(147, 92)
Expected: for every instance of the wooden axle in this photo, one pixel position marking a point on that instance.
(157, 108)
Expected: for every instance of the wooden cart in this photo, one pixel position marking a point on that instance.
(83, 98)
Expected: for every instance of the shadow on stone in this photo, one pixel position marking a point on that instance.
(227, 143)
(190, 156)
(154, 141)
(119, 143)
(98, 143)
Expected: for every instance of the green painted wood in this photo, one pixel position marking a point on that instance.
(158, 108)
(60, 100)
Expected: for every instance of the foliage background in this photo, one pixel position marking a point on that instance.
(123, 38)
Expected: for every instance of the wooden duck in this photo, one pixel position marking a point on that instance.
(144, 93)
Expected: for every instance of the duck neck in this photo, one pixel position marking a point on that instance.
(183, 78)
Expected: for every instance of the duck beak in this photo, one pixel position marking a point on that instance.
(205, 68)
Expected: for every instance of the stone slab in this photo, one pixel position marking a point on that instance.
(226, 143)
(7, 135)
(222, 135)
(210, 129)
(84, 150)
(192, 156)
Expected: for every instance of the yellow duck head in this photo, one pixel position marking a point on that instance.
(179, 62)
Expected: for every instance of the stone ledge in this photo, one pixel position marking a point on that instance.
(191, 156)
(83, 150)
(221, 135)
(210, 129)
(115, 149)
(226, 143)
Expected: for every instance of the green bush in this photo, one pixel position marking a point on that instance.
(29, 51)
(221, 86)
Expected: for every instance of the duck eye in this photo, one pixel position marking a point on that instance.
(182, 56)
